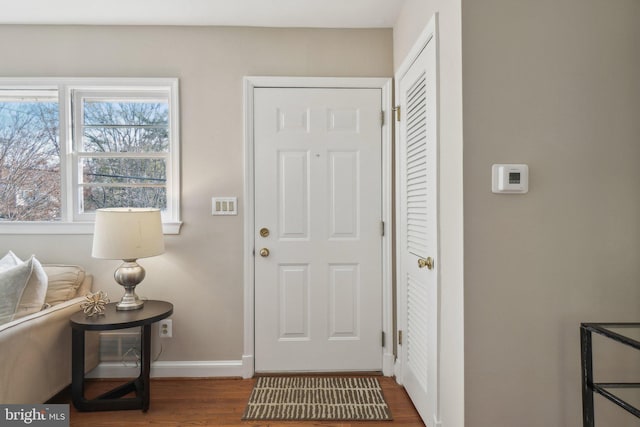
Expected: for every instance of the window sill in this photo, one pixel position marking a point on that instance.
(67, 227)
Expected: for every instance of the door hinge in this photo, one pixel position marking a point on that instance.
(397, 110)
(399, 337)
(381, 118)
(382, 228)
(383, 339)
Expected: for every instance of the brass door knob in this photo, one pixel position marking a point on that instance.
(264, 252)
(264, 232)
(422, 263)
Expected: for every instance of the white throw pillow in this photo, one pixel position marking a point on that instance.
(9, 260)
(13, 281)
(35, 291)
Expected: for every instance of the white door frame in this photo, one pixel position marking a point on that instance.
(250, 83)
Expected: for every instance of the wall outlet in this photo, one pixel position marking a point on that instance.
(165, 328)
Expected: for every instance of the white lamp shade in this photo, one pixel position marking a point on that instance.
(127, 233)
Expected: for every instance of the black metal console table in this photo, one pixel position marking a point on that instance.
(153, 311)
(625, 333)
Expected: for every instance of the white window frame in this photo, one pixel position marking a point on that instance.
(72, 221)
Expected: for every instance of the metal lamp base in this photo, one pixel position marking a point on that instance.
(129, 275)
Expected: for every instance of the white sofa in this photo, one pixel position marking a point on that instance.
(35, 350)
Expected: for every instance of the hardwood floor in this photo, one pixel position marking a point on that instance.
(216, 402)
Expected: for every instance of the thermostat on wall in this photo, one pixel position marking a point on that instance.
(512, 179)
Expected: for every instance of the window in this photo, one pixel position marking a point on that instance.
(122, 146)
(117, 147)
(29, 156)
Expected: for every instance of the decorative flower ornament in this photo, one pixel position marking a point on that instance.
(94, 303)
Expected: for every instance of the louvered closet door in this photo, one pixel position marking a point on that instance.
(418, 221)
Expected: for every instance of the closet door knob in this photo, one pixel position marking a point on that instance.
(422, 263)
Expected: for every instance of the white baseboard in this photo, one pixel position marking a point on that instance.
(197, 369)
(388, 362)
(397, 370)
(247, 366)
(173, 369)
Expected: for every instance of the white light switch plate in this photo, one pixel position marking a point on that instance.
(224, 206)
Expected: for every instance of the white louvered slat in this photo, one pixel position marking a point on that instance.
(417, 329)
(416, 175)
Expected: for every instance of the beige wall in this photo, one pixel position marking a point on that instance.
(413, 18)
(554, 84)
(201, 272)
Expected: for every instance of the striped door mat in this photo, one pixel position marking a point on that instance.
(317, 398)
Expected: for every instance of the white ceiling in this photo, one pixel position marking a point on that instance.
(263, 13)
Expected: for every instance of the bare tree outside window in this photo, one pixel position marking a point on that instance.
(124, 149)
(30, 184)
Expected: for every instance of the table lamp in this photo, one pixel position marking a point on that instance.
(128, 234)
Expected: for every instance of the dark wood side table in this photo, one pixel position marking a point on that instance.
(151, 312)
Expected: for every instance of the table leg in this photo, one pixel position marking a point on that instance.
(77, 367)
(114, 399)
(145, 368)
(586, 359)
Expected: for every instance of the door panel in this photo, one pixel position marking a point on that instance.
(344, 289)
(343, 197)
(318, 294)
(293, 194)
(294, 302)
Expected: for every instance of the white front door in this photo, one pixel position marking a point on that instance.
(418, 298)
(318, 243)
